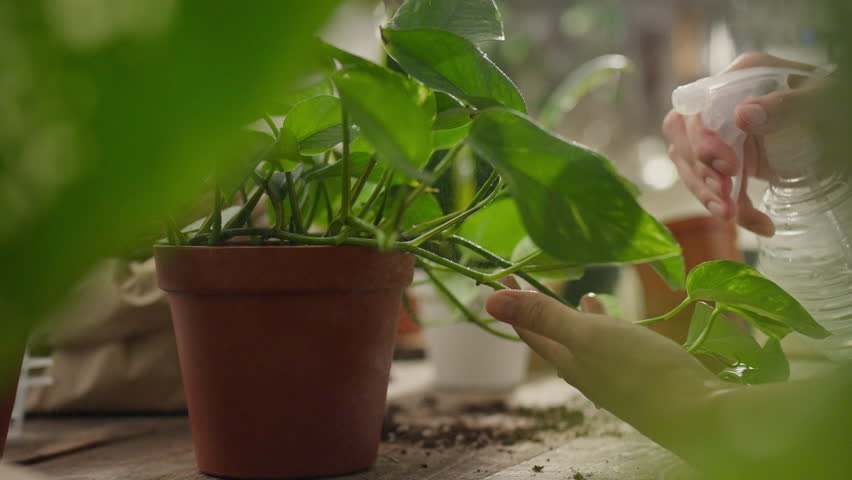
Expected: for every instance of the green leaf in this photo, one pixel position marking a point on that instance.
(475, 20)
(770, 327)
(672, 270)
(580, 83)
(771, 366)
(744, 288)
(442, 139)
(394, 123)
(453, 118)
(449, 63)
(316, 124)
(498, 228)
(725, 337)
(573, 204)
(422, 96)
(544, 266)
(424, 208)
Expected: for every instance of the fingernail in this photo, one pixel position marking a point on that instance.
(715, 208)
(719, 165)
(713, 184)
(762, 229)
(587, 303)
(502, 306)
(754, 115)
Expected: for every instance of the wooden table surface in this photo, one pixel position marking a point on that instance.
(579, 442)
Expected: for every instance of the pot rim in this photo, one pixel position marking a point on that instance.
(280, 269)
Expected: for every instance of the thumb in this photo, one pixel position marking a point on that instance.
(779, 110)
(537, 313)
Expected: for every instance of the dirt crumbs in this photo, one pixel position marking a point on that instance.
(474, 425)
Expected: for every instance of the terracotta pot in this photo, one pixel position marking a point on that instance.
(285, 353)
(702, 239)
(8, 388)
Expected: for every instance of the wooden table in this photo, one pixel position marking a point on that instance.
(587, 442)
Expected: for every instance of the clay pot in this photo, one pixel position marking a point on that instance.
(702, 239)
(8, 388)
(285, 353)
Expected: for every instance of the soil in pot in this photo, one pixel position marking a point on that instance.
(285, 353)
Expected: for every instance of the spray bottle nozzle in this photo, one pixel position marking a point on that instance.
(716, 98)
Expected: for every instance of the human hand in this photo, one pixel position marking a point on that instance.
(706, 164)
(640, 376)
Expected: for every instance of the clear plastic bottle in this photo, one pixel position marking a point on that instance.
(810, 202)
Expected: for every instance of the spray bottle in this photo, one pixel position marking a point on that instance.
(809, 200)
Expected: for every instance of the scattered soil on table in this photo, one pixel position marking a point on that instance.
(474, 425)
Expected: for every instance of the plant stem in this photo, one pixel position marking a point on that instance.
(311, 214)
(385, 194)
(271, 124)
(493, 180)
(295, 214)
(470, 316)
(505, 263)
(406, 303)
(479, 277)
(363, 225)
(216, 228)
(675, 311)
(173, 233)
(345, 192)
(244, 215)
(436, 172)
(375, 194)
(514, 267)
(362, 179)
(455, 220)
(329, 210)
(343, 238)
(484, 188)
(704, 333)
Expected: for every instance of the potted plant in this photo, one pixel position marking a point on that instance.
(285, 331)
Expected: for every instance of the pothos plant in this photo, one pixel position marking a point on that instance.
(356, 155)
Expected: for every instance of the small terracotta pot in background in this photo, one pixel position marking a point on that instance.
(702, 239)
(285, 353)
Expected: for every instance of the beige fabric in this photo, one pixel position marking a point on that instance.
(113, 346)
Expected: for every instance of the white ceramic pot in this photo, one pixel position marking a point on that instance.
(464, 356)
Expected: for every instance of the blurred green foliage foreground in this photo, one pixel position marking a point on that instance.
(112, 115)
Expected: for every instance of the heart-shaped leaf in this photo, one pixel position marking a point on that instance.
(744, 288)
(672, 270)
(573, 204)
(725, 337)
(498, 228)
(317, 124)
(771, 366)
(449, 63)
(475, 20)
(393, 122)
